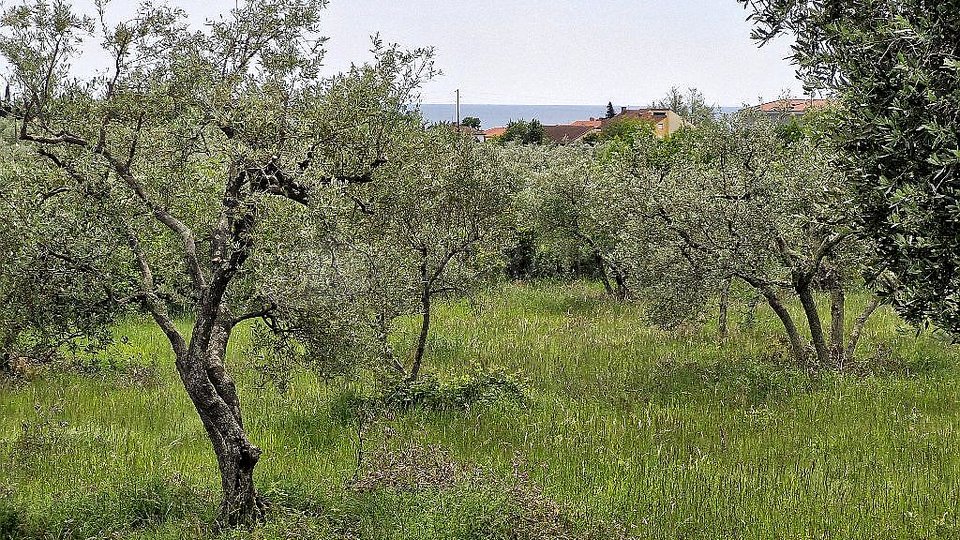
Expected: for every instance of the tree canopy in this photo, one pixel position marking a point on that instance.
(895, 68)
(203, 167)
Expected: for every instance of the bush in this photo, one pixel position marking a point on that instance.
(479, 387)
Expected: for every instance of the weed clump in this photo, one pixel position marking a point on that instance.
(411, 468)
(479, 387)
(491, 505)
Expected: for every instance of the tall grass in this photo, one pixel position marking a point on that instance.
(654, 433)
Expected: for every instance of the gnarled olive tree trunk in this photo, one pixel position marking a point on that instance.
(214, 394)
(201, 366)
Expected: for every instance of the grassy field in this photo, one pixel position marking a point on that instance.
(630, 431)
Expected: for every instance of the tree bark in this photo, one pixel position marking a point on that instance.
(424, 329)
(722, 321)
(809, 304)
(858, 327)
(837, 324)
(621, 282)
(602, 267)
(796, 344)
(214, 394)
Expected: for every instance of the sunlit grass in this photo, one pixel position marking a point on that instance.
(666, 431)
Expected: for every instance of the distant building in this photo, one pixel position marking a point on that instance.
(568, 133)
(477, 134)
(494, 132)
(561, 134)
(593, 123)
(792, 107)
(665, 122)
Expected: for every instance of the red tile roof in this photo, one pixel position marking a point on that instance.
(651, 115)
(566, 133)
(495, 132)
(592, 123)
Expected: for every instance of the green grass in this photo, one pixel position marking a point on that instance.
(661, 434)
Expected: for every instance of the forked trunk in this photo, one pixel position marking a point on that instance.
(858, 327)
(602, 268)
(796, 344)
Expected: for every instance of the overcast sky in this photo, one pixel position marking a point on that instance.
(549, 52)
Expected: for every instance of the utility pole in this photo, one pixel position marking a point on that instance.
(458, 108)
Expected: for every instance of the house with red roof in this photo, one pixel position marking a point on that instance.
(665, 122)
(494, 132)
(568, 133)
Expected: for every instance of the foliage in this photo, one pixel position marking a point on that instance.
(611, 112)
(624, 129)
(471, 121)
(523, 132)
(691, 106)
(44, 309)
(732, 200)
(895, 67)
(437, 224)
(575, 207)
(477, 388)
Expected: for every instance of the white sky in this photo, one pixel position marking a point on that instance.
(551, 52)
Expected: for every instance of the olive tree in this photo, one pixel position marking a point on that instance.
(436, 225)
(736, 201)
(186, 146)
(575, 207)
(894, 65)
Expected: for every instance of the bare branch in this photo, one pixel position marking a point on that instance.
(150, 299)
(266, 311)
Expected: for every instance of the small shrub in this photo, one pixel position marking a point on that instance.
(411, 468)
(479, 387)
